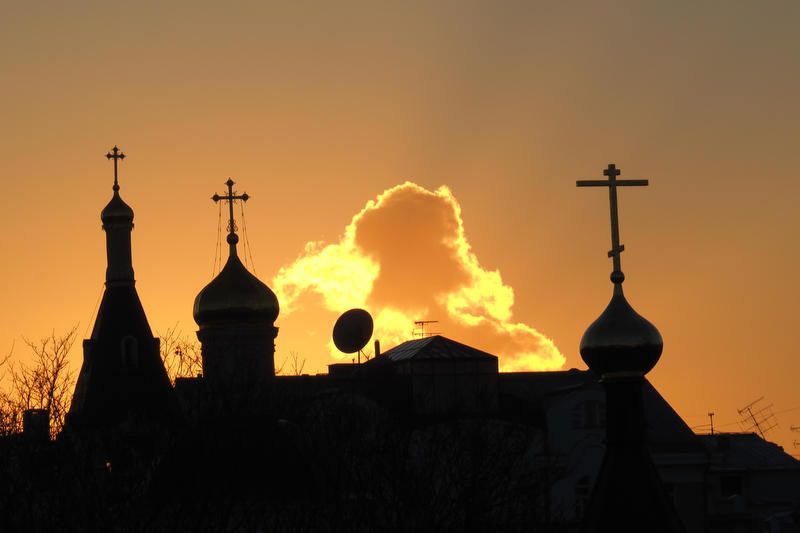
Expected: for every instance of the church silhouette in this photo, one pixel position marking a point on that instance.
(426, 436)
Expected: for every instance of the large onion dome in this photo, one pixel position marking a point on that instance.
(621, 341)
(235, 295)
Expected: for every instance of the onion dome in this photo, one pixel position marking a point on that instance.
(621, 341)
(235, 294)
(116, 211)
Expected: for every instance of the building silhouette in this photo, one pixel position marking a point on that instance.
(236, 315)
(426, 436)
(122, 382)
(621, 347)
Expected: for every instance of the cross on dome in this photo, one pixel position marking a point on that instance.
(115, 154)
(230, 198)
(612, 183)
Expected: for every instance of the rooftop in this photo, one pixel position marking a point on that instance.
(434, 347)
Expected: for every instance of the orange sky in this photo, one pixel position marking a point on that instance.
(315, 111)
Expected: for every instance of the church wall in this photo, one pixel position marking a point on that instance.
(238, 363)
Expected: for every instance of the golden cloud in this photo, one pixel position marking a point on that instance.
(405, 257)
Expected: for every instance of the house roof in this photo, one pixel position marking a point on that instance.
(747, 450)
(663, 426)
(435, 347)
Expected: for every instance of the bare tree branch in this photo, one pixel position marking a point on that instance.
(181, 355)
(296, 365)
(46, 383)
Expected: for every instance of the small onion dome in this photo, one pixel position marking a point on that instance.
(621, 341)
(235, 294)
(116, 212)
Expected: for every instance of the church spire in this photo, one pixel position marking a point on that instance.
(117, 219)
(122, 379)
(236, 315)
(620, 341)
(621, 347)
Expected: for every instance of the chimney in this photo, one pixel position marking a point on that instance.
(377, 348)
(36, 424)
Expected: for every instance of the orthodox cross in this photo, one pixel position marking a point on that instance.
(612, 183)
(230, 198)
(115, 154)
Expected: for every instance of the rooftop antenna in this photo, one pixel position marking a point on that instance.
(419, 328)
(711, 417)
(757, 419)
(352, 331)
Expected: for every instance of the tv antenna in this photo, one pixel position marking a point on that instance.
(419, 329)
(352, 331)
(757, 419)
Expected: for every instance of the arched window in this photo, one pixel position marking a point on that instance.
(130, 353)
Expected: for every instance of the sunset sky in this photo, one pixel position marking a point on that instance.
(489, 110)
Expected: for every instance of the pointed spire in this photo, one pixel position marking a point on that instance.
(122, 383)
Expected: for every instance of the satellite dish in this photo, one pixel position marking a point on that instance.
(352, 330)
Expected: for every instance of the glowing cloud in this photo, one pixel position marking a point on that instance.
(405, 257)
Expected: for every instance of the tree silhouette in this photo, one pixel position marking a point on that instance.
(8, 415)
(296, 365)
(46, 383)
(181, 355)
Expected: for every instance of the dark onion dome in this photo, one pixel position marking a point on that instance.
(235, 294)
(116, 211)
(621, 341)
